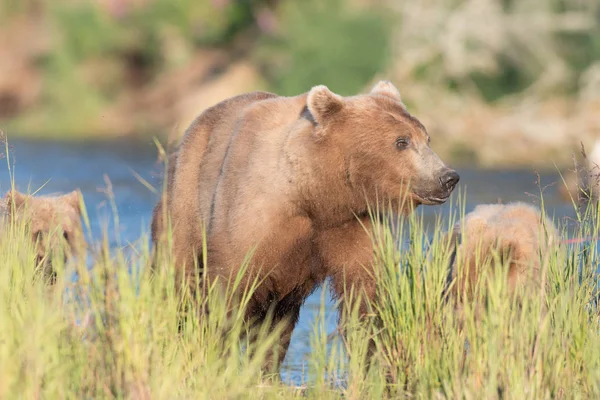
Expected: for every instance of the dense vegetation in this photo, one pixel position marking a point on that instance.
(114, 331)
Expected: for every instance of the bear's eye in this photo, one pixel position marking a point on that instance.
(402, 143)
(66, 236)
(37, 236)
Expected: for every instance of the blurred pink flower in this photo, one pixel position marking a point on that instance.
(266, 20)
(220, 3)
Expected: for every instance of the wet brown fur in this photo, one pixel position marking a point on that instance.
(291, 178)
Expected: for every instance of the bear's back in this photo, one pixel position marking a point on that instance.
(201, 153)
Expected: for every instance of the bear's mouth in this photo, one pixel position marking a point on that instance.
(436, 200)
(432, 200)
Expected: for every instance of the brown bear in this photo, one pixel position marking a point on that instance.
(516, 233)
(290, 180)
(51, 220)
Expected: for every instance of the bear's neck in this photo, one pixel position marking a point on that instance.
(318, 175)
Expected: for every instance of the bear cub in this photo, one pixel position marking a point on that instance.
(52, 221)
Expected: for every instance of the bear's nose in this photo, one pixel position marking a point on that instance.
(449, 179)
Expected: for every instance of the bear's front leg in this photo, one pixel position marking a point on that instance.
(275, 356)
(348, 255)
(286, 311)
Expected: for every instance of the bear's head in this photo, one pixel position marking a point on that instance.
(385, 150)
(52, 221)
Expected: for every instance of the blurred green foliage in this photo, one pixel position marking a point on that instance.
(97, 55)
(133, 45)
(502, 47)
(324, 42)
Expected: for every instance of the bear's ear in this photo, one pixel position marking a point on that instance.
(322, 103)
(387, 88)
(14, 198)
(73, 199)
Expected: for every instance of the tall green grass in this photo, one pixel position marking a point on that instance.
(115, 332)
